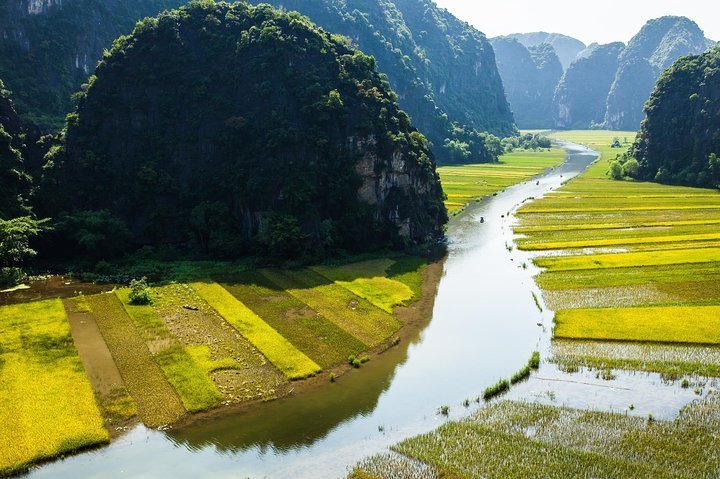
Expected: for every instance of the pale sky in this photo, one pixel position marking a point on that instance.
(601, 21)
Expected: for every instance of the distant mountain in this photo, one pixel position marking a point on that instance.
(530, 76)
(567, 48)
(608, 85)
(680, 140)
(442, 68)
(580, 100)
(658, 44)
(49, 47)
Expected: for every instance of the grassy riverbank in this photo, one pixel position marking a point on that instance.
(250, 336)
(632, 272)
(466, 183)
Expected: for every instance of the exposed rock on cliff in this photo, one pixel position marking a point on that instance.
(250, 122)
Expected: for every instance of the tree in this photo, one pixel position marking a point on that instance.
(209, 220)
(616, 143)
(94, 234)
(616, 170)
(631, 168)
(15, 237)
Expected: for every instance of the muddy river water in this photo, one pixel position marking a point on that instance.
(485, 326)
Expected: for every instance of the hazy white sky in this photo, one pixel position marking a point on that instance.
(601, 21)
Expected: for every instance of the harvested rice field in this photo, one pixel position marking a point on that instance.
(196, 346)
(466, 183)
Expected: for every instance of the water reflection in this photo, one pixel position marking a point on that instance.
(484, 327)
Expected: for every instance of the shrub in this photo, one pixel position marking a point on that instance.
(140, 292)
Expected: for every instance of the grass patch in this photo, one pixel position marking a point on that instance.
(309, 331)
(47, 403)
(195, 388)
(353, 314)
(673, 324)
(157, 402)
(278, 350)
(368, 280)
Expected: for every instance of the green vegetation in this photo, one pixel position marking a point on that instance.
(157, 402)
(685, 136)
(48, 407)
(278, 350)
(139, 292)
(51, 54)
(190, 380)
(520, 440)
(351, 313)
(263, 115)
(463, 184)
(427, 54)
(313, 334)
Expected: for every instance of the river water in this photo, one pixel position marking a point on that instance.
(485, 326)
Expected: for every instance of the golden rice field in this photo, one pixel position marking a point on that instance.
(197, 346)
(47, 402)
(633, 273)
(466, 183)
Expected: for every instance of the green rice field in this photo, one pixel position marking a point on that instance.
(466, 183)
(632, 272)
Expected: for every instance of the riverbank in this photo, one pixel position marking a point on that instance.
(200, 350)
(613, 397)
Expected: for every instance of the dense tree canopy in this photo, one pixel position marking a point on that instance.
(243, 129)
(679, 142)
(442, 69)
(46, 55)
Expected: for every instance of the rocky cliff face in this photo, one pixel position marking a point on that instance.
(581, 96)
(48, 48)
(658, 44)
(276, 130)
(530, 76)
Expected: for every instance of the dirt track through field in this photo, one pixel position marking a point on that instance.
(157, 402)
(94, 353)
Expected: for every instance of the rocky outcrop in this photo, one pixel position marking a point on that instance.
(277, 133)
(581, 96)
(658, 44)
(530, 76)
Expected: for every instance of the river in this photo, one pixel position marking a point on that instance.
(485, 326)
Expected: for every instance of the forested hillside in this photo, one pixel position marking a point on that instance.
(680, 140)
(567, 48)
(442, 68)
(48, 48)
(240, 130)
(581, 97)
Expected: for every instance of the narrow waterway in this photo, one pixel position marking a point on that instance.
(485, 326)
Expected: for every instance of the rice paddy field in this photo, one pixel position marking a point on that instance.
(466, 183)
(197, 346)
(631, 271)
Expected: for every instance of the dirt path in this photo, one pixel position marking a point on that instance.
(156, 400)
